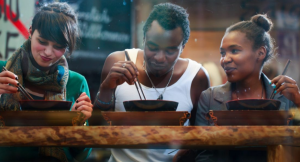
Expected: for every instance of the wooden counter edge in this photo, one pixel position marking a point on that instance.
(145, 136)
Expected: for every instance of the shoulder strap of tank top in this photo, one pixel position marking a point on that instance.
(132, 54)
(190, 72)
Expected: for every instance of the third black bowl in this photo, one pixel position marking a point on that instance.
(253, 104)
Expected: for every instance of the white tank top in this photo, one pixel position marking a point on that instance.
(179, 91)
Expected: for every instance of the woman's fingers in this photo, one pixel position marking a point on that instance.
(2, 91)
(290, 87)
(8, 74)
(282, 79)
(87, 114)
(84, 105)
(82, 94)
(83, 97)
(86, 110)
(287, 87)
(6, 88)
(8, 80)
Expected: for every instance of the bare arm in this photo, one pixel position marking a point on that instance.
(200, 83)
(115, 72)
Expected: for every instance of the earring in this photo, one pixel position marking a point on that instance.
(29, 37)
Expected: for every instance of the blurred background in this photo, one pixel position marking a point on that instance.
(113, 25)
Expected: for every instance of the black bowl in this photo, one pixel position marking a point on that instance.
(253, 104)
(150, 105)
(44, 105)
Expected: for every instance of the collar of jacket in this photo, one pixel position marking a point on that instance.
(223, 95)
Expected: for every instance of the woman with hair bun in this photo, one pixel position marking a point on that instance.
(245, 48)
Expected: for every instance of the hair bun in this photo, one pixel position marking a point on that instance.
(262, 21)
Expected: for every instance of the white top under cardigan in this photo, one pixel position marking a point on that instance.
(179, 91)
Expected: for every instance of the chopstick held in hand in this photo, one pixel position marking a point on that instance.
(128, 58)
(21, 88)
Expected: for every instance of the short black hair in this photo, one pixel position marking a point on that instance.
(57, 22)
(169, 16)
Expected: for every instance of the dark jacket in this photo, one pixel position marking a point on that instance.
(215, 98)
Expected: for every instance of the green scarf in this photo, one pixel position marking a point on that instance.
(24, 66)
(52, 82)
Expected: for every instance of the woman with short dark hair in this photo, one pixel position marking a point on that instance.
(40, 66)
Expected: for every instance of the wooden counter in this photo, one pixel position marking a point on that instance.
(143, 136)
(275, 137)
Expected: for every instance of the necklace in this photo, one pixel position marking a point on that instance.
(236, 92)
(160, 97)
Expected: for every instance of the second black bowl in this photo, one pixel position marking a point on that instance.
(150, 105)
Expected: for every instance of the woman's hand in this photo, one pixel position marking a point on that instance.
(6, 78)
(121, 71)
(84, 105)
(287, 87)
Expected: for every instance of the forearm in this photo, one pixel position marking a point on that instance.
(105, 99)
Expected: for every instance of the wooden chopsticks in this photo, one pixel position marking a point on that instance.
(21, 88)
(128, 58)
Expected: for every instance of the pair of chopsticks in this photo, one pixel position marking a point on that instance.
(21, 88)
(283, 73)
(128, 59)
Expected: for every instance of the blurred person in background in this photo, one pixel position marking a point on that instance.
(160, 70)
(271, 70)
(40, 66)
(215, 75)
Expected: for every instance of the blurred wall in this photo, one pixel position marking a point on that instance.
(15, 19)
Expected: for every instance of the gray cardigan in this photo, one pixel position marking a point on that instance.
(215, 98)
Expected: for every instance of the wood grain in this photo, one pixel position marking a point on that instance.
(150, 136)
(282, 153)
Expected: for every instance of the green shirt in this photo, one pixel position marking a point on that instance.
(75, 86)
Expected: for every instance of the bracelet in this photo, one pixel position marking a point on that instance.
(107, 103)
